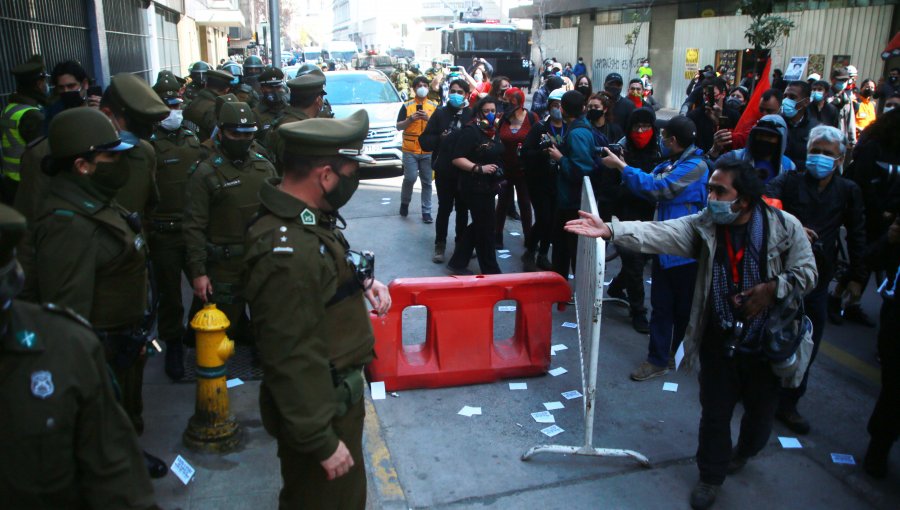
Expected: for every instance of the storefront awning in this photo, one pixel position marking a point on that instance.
(220, 18)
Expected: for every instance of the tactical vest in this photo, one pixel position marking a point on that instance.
(415, 128)
(176, 154)
(13, 143)
(234, 197)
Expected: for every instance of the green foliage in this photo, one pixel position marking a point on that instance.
(765, 29)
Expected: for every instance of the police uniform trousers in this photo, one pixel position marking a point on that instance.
(745, 378)
(129, 385)
(167, 254)
(226, 277)
(306, 485)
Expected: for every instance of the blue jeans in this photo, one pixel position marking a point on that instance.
(416, 166)
(670, 296)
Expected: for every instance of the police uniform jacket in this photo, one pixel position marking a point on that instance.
(64, 440)
(310, 321)
(177, 152)
(200, 115)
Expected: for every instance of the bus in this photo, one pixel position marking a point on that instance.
(505, 47)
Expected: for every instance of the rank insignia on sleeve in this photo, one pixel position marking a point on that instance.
(307, 217)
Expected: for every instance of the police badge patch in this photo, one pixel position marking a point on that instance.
(41, 384)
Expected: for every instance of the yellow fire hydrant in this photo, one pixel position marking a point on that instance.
(212, 428)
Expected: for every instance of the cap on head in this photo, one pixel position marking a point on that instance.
(308, 83)
(271, 77)
(683, 129)
(557, 94)
(840, 74)
(167, 87)
(12, 228)
(852, 72)
(219, 79)
(237, 116)
(613, 77)
(554, 82)
(814, 77)
(221, 100)
(328, 137)
(82, 130)
(137, 99)
(30, 70)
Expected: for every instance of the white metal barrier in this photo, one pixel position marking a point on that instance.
(591, 266)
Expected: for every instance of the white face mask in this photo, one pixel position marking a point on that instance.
(421, 92)
(173, 121)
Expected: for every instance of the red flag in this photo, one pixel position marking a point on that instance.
(751, 113)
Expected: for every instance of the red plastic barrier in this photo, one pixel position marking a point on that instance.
(459, 344)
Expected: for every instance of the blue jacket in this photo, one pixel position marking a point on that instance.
(576, 163)
(677, 188)
(579, 69)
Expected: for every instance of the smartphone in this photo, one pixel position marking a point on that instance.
(709, 95)
(455, 69)
(418, 108)
(725, 122)
(615, 148)
(96, 90)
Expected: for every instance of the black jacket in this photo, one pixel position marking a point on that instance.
(539, 168)
(621, 110)
(876, 170)
(438, 140)
(840, 203)
(828, 115)
(798, 137)
(706, 129)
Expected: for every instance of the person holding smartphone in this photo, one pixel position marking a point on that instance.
(412, 119)
(715, 113)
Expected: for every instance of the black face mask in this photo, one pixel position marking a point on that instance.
(594, 115)
(614, 91)
(236, 150)
(71, 99)
(585, 90)
(866, 93)
(109, 177)
(762, 150)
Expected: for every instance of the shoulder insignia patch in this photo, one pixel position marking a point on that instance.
(26, 338)
(307, 217)
(218, 160)
(64, 212)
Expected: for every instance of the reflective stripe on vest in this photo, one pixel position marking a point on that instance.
(415, 128)
(13, 143)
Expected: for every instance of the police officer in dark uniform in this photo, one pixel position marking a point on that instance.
(199, 115)
(89, 251)
(209, 146)
(244, 92)
(133, 106)
(271, 104)
(223, 197)
(197, 72)
(305, 288)
(66, 442)
(177, 152)
(253, 67)
(21, 121)
(306, 102)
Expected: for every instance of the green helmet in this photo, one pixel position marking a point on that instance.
(233, 68)
(198, 71)
(82, 130)
(253, 66)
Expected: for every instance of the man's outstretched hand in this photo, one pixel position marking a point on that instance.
(589, 225)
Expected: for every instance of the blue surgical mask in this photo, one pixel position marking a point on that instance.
(721, 213)
(456, 100)
(789, 108)
(840, 86)
(555, 113)
(819, 166)
(817, 96)
(490, 118)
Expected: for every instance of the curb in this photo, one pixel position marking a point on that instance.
(384, 489)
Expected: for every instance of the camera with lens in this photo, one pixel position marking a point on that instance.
(546, 142)
(363, 266)
(615, 148)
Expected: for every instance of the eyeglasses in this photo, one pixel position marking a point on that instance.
(641, 128)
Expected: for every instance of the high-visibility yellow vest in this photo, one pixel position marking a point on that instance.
(13, 143)
(416, 127)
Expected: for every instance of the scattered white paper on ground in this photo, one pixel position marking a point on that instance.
(377, 389)
(502, 251)
(670, 386)
(504, 256)
(843, 458)
(231, 383)
(571, 394)
(552, 430)
(518, 386)
(789, 442)
(569, 325)
(510, 308)
(557, 371)
(515, 234)
(469, 411)
(386, 198)
(182, 470)
(385, 203)
(558, 347)
(679, 356)
(543, 417)
(552, 406)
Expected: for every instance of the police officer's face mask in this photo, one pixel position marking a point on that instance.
(346, 187)
(109, 176)
(235, 149)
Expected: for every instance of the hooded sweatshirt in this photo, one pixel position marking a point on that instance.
(771, 124)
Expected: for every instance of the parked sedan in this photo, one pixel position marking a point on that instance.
(348, 91)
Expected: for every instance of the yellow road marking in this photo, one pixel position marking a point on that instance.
(852, 362)
(382, 467)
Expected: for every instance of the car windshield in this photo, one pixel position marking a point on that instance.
(346, 56)
(368, 88)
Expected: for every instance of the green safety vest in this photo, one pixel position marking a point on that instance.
(13, 143)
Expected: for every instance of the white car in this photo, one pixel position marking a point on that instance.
(349, 91)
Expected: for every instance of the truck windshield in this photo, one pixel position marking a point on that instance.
(486, 40)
